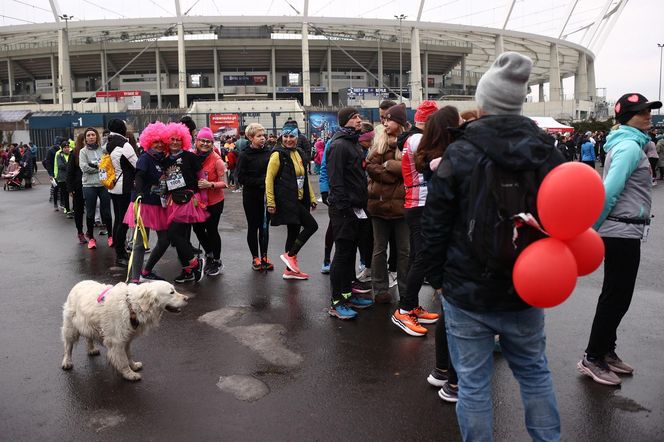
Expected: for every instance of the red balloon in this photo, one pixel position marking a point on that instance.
(588, 250)
(570, 199)
(544, 274)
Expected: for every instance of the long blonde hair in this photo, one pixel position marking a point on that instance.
(382, 144)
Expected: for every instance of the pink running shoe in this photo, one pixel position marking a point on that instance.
(110, 241)
(92, 244)
(290, 261)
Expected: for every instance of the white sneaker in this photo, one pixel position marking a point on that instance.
(364, 275)
(393, 278)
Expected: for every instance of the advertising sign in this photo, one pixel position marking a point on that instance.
(245, 80)
(223, 125)
(323, 124)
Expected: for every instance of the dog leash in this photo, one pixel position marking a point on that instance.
(138, 226)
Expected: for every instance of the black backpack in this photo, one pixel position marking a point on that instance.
(496, 234)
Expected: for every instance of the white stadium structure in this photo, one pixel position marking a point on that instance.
(59, 62)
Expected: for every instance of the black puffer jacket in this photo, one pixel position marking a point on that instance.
(512, 142)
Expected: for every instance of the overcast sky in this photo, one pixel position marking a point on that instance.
(627, 62)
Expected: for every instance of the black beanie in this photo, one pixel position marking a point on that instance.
(345, 114)
(117, 126)
(397, 113)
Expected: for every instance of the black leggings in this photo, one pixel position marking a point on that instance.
(621, 265)
(207, 232)
(258, 222)
(64, 196)
(177, 233)
(79, 209)
(443, 360)
(299, 234)
(157, 252)
(119, 231)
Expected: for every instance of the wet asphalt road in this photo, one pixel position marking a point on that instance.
(254, 357)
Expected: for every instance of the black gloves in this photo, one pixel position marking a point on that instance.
(93, 165)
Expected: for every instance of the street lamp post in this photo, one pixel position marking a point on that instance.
(661, 47)
(66, 18)
(400, 17)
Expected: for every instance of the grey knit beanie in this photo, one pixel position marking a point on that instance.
(503, 88)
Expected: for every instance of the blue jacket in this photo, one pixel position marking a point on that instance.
(588, 151)
(323, 182)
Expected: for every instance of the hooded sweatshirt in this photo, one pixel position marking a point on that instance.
(514, 143)
(627, 183)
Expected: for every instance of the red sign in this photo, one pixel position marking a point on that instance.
(225, 124)
(117, 94)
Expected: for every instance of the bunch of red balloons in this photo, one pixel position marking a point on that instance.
(569, 201)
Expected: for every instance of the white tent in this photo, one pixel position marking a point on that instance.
(551, 125)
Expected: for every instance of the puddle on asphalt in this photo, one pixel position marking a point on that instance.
(627, 404)
(267, 340)
(244, 388)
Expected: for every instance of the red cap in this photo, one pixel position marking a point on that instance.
(424, 110)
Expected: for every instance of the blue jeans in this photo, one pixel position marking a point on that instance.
(471, 340)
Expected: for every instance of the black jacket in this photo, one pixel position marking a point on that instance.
(512, 142)
(74, 175)
(251, 168)
(345, 161)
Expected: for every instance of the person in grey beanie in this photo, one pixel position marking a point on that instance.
(478, 292)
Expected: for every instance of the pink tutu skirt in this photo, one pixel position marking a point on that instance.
(154, 217)
(188, 213)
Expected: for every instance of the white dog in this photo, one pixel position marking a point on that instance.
(114, 316)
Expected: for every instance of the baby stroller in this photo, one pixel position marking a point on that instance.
(12, 177)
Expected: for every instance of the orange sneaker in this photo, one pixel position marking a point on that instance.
(425, 317)
(408, 323)
(290, 261)
(256, 264)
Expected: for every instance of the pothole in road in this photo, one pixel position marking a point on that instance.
(103, 419)
(267, 340)
(244, 388)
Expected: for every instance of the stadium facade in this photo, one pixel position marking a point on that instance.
(320, 61)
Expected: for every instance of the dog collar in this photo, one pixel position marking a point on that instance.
(102, 295)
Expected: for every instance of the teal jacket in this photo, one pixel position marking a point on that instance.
(627, 183)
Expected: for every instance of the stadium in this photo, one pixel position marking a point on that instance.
(71, 61)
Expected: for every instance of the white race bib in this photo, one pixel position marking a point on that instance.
(103, 175)
(300, 182)
(175, 181)
(359, 213)
(646, 232)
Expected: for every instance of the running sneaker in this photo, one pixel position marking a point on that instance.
(290, 261)
(267, 264)
(361, 288)
(197, 270)
(449, 393)
(215, 267)
(364, 275)
(392, 277)
(356, 302)
(150, 276)
(408, 323)
(103, 232)
(617, 365)
(92, 244)
(425, 317)
(342, 311)
(598, 370)
(437, 377)
(325, 269)
(289, 274)
(185, 276)
(82, 239)
(256, 264)
(109, 241)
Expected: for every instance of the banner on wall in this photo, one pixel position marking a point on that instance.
(323, 124)
(223, 125)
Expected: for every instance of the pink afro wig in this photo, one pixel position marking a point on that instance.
(177, 130)
(151, 134)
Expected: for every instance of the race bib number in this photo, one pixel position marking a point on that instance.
(175, 181)
(359, 213)
(300, 182)
(646, 232)
(103, 176)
